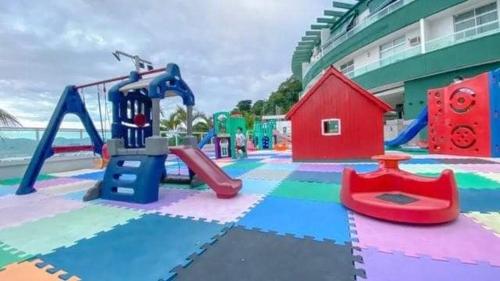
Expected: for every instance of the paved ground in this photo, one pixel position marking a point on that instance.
(287, 224)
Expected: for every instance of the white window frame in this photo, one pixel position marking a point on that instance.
(323, 133)
(474, 19)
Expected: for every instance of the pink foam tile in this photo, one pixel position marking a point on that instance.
(206, 205)
(486, 168)
(314, 167)
(462, 239)
(55, 182)
(16, 210)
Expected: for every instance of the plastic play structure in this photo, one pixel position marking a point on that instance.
(224, 133)
(462, 117)
(263, 137)
(395, 195)
(411, 130)
(137, 152)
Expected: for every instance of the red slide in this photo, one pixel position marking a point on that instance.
(208, 171)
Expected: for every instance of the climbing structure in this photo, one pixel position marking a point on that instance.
(464, 117)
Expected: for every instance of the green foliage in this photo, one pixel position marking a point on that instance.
(244, 105)
(258, 107)
(282, 100)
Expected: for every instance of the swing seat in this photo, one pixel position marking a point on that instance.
(395, 195)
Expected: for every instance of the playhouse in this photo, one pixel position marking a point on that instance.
(337, 119)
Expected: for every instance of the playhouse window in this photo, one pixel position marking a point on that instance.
(330, 127)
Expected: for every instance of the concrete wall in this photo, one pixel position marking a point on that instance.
(16, 168)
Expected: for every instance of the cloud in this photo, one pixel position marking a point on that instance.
(227, 50)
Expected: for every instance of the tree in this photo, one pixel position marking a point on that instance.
(244, 105)
(178, 119)
(282, 99)
(258, 107)
(7, 119)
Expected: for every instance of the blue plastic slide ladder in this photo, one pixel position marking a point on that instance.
(133, 178)
(70, 102)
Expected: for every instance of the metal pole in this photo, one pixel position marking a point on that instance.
(156, 116)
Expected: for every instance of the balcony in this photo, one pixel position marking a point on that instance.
(335, 41)
(427, 47)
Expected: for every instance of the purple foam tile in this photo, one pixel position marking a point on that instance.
(55, 182)
(309, 167)
(166, 197)
(381, 266)
(205, 205)
(16, 210)
(462, 239)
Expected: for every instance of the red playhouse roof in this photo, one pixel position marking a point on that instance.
(331, 71)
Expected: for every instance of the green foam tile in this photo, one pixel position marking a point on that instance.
(470, 180)
(45, 235)
(9, 256)
(326, 192)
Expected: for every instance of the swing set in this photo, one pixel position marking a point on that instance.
(73, 101)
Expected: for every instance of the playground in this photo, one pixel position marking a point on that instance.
(331, 202)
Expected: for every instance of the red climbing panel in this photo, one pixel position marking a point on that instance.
(459, 118)
(395, 195)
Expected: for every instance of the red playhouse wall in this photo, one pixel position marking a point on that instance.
(459, 118)
(361, 115)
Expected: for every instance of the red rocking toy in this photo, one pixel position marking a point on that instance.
(395, 195)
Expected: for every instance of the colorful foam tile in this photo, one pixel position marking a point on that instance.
(266, 174)
(470, 180)
(144, 249)
(285, 166)
(17, 210)
(320, 220)
(44, 235)
(462, 239)
(380, 266)
(258, 187)
(17, 181)
(28, 270)
(321, 167)
(7, 190)
(362, 167)
(10, 255)
(55, 182)
(483, 200)
(80, 185)
(234, 172)
(327, 192)
(315, 177)
(74, 173)
(460, 160)
(490, 221)
(166, 197)
(482, 168)
(206, 206)
(99, 175)
(243, 254)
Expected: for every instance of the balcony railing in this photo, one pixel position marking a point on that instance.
(335, 41)
(430, 46)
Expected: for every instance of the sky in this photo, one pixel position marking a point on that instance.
(228, 50)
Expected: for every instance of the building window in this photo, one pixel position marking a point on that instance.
(330, 127)
(476, 21)
(392, 47)
(347, 68)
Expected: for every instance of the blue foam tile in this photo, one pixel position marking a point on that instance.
(323, 177)
(77, 195)
(281, 166)
(6, 190)
(479, 200)
(422, 161)
(144, 249)
(300, 218)
(260, 187)
(91, 176)
(362, 168)
(235, 172)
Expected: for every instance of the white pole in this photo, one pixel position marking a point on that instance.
(423, 38)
